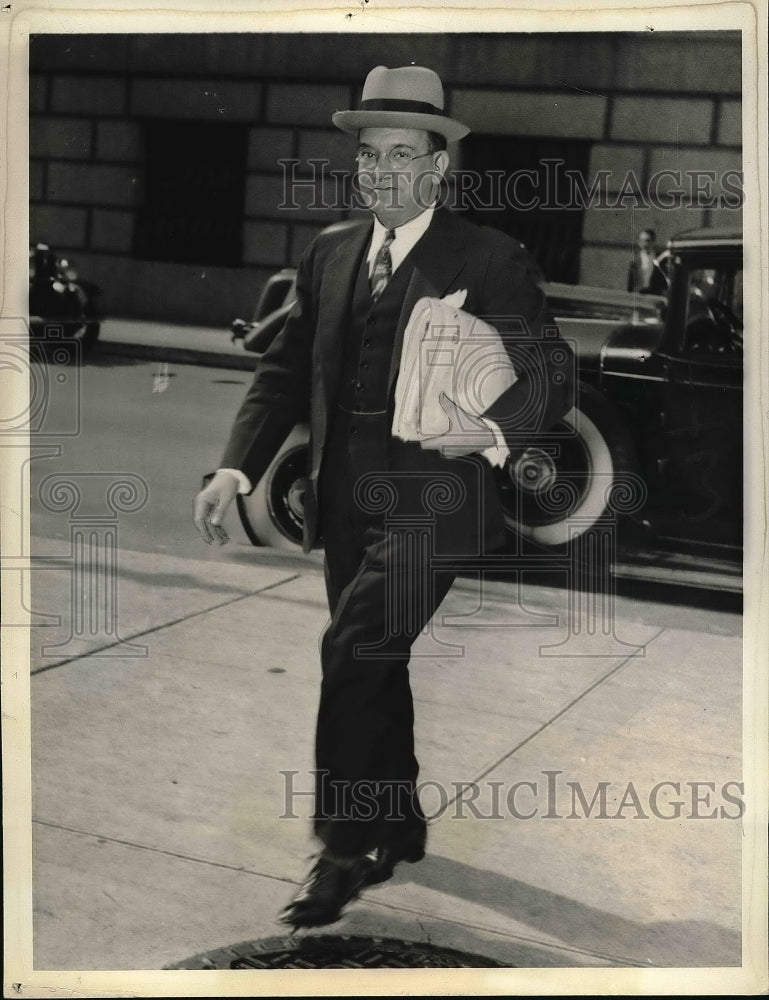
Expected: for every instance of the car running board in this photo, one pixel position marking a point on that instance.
(682, 570)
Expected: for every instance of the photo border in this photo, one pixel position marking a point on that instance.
(23, 19)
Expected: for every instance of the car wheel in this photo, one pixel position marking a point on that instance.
(73, 346)
(274, 513)
(557, 493)
(89, 334)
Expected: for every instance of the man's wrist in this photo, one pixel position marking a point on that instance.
(498, 453)
(244, 483)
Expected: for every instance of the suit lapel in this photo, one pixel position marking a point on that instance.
(338, 283)
(437, 259)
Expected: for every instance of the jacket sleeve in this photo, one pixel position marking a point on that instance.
(544, 362)
(279, 396)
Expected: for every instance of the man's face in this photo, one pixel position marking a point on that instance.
(396, 173)
(645, 241)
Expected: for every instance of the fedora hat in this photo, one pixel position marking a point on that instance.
(405, 97)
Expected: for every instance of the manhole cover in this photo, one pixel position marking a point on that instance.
(329, 952)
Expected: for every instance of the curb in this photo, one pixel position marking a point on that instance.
(177, 355)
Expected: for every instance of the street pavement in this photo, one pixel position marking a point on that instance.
(580, 759)
(172, 342)
(164, 824)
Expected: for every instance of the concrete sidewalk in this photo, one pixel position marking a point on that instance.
(172, 343)
(163, 825)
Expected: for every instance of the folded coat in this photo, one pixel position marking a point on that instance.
(448, 353)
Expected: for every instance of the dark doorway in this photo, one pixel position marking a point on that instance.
(537, 208)
(194, 193)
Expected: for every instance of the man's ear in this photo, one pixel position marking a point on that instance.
(442, 162)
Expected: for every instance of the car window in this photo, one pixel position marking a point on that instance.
(714, 321)
(665, 263)
(737, 296)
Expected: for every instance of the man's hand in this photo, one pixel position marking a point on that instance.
(464, 437)
(211, 504)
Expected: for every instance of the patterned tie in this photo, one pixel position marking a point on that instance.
(383, 266)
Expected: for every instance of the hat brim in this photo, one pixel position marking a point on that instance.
(352, 121)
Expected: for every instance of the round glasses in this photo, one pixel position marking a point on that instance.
(397, 158)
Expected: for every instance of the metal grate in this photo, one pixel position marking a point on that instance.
(331, 952)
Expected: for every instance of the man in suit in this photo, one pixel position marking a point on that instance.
(644, 274)
(392, 515)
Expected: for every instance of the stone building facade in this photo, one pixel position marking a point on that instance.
(154, 159)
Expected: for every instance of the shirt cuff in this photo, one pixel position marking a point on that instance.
(244, 483)
(497, 454)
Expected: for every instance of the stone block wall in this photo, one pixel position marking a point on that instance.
(645, 103)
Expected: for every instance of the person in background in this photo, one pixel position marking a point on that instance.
(644, 275)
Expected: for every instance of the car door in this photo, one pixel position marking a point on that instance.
(701, 469)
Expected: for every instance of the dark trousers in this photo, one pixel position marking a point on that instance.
(382, 590)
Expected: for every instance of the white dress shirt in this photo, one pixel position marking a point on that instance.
(406, 238)
(645, 268)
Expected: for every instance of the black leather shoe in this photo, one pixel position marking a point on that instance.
(325, 892)
(383, 860)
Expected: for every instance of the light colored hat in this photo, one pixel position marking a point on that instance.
(405, 97)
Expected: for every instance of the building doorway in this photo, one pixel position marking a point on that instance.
(537, 208)
(194, 188)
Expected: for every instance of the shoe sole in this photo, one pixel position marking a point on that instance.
(296, 921)
(411, 858)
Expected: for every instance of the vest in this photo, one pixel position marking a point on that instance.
(361, 443)
(369, 341)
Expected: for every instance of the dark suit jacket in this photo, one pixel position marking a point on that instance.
(657, 283)
(298, 377)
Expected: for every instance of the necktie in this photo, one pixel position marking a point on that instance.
(383, 266)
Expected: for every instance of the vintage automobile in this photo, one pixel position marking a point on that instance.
(64, 309)
(652, 449)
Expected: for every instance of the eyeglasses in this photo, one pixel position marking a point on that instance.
(397, 158)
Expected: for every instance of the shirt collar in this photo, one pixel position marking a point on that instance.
(409, 232)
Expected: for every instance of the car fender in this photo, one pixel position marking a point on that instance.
(630, 348)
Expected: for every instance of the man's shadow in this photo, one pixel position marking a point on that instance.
(685, 943)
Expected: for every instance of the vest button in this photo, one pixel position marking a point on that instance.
(364, 364)
(367, 343)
